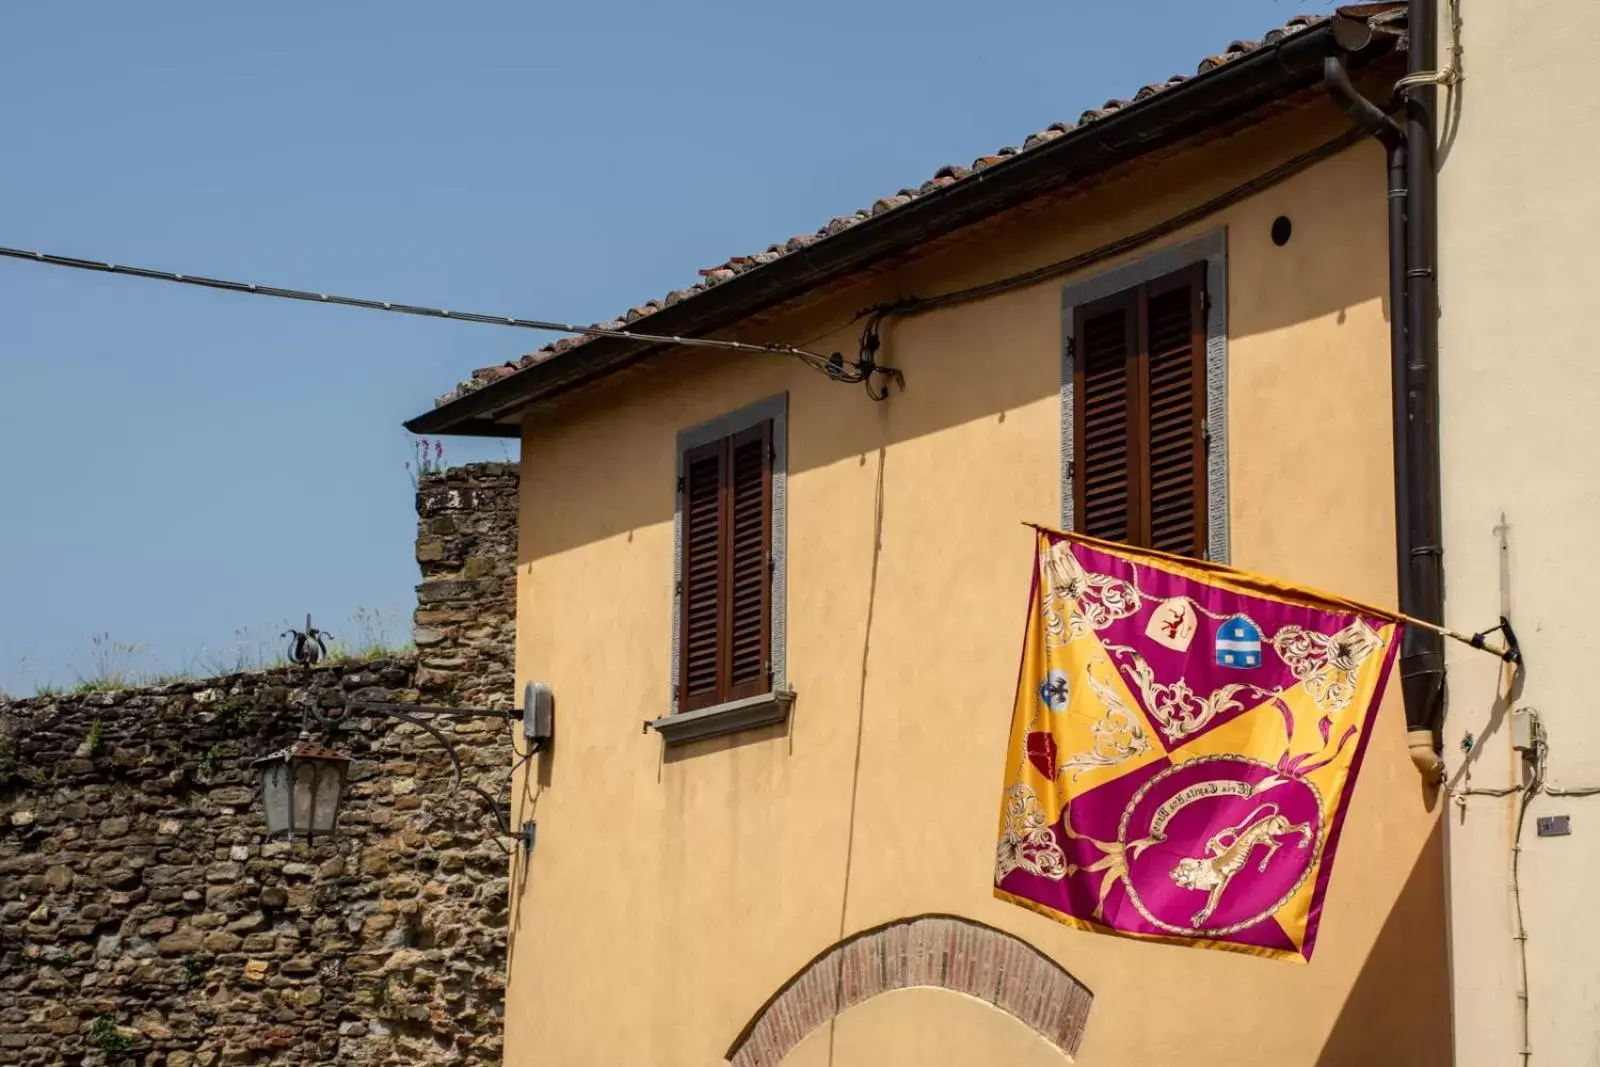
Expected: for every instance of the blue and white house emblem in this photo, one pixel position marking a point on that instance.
(1055, 691)
(1238, 643)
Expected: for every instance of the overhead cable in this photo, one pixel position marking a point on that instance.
(815, 359)
(834, 366)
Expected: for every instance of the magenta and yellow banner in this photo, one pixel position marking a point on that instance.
(1184, 745)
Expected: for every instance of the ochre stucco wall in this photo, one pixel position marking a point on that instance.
(1519, 208)
(671, 893)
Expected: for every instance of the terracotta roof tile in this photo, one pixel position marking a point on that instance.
(946, 175)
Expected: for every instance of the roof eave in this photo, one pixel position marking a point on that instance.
(1221, 95)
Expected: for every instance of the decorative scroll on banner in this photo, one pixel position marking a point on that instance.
(1184, 745)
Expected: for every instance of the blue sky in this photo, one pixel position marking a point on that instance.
(185, 471)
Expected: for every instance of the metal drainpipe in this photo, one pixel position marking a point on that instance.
(1422, 677)
(1414, 348)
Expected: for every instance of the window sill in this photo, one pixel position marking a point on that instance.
(769, 709)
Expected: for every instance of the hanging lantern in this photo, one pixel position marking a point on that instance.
(301, 789)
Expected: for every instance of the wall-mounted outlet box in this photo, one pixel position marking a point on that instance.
(1524, 730)
(538, 713)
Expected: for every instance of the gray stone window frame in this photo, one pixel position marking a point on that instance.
(1212, 249)
(772, 707)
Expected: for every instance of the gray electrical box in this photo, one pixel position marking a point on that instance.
(538, 714)
(1524, 730)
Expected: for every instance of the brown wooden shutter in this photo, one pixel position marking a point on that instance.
(1176, 346)
(749, 573)
(1104, 457)
(1139, 384)
(725, 636)
(701, 625)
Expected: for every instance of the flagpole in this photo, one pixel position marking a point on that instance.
(1508, 650)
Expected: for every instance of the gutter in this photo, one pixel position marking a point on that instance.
(1223, 94)
(1414, 359)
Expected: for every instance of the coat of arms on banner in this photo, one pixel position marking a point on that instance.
(1184, 744)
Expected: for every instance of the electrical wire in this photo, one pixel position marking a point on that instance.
(493, 803)
(1520, 931)
(832, 365)
(511, 776)
(1535, 767)
(517, 766)
(861, 371)
(1586, 791)
(1282, 172)
(511, 736)
(1485, 792)
(1450, 74)
(521, 761)
(1541, 751)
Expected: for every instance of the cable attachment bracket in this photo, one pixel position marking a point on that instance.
(866, 365)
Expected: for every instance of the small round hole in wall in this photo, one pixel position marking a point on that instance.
(1282, 229)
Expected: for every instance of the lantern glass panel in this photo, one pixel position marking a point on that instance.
(329, 791)
(275, 795)
(305, 785)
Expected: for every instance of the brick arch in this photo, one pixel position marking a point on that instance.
(937, 951)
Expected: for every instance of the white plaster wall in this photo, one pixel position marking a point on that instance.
(1520, 423)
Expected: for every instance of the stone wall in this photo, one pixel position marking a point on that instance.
(467, 549)
(145, 920)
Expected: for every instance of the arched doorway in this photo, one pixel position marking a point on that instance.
(926, 952)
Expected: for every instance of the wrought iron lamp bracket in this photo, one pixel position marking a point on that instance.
(332, 718)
